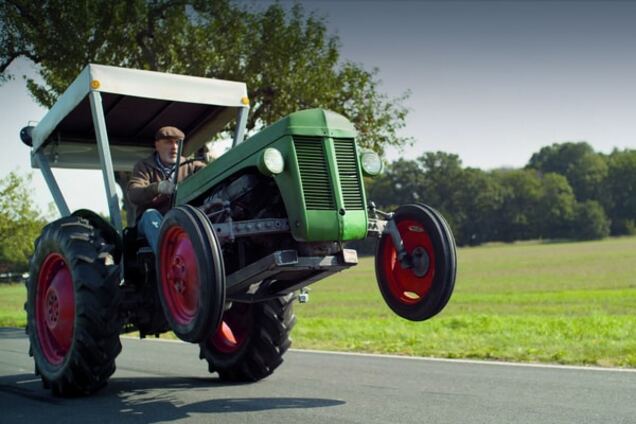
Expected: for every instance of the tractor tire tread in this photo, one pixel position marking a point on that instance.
(263, 351)
(90, 360)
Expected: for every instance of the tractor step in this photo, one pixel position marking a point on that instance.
(275, 267)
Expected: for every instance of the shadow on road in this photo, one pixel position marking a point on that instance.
(141, 399)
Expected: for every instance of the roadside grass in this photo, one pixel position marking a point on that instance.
(567, 303)
(12, 298)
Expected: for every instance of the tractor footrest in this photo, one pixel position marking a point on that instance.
(285, 261)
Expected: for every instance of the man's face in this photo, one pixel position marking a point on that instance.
(167, 148)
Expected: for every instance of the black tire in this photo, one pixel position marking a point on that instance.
(264, 329)
(451, 259)
(414, 296)
(190, 274)
(72, 306)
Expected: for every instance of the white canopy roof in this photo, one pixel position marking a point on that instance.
(135, 103)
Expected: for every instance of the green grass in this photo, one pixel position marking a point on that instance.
(569, 303)
(12, 298)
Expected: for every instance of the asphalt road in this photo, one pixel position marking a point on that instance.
(160, 381)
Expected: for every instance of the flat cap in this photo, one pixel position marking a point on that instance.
(169, 132)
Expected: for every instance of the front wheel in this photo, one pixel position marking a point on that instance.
(251, 340)
(421, 290)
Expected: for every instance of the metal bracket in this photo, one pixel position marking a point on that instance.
(303, 295)
(377, 227)
(402, 255)
(229, 231)
(380, 227)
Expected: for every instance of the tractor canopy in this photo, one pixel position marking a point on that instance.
(106, 119)
(135, 103)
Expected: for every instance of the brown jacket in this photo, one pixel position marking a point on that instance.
(142, 189)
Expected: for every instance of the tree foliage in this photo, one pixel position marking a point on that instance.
(590, 221)
(584, 169)
(538, 202)
(620, 188)
(286, 56)
(20, 222)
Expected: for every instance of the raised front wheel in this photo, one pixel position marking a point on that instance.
(418, 287)
(191, 274)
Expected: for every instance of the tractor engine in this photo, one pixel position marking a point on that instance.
(248, 196)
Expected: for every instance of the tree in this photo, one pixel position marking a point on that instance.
(556, 207)
(621, 191)
(401, 183)
(519, 214)
(590, 221)
(478, 218)
(441, 184)
(434, 179)
(286, 57)
(584, 169)
(20, 223)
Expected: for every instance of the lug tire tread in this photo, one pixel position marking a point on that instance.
(90, 360)
(269, 339)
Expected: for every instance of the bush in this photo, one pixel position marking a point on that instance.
(590, 221)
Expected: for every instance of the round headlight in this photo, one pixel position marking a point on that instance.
(272, 161)
(371, 163)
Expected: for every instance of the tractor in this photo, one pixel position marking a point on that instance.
(245, 236)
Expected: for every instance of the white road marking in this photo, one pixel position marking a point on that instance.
(33, 380)
(472, 361)
(430, 359)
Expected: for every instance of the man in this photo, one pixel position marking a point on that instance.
(151, 185)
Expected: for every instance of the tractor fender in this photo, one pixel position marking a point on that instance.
(110, 235)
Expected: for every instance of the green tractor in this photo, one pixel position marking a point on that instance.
(246, 235)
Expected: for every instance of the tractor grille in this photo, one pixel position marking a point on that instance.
(313, 173)
(348, 173)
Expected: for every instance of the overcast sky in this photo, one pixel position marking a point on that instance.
(491, 81)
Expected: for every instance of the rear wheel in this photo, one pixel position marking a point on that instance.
(72, 301)
(422, 290)
(191, 274)
(251, 340)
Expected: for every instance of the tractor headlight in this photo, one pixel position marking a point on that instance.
(371, 163)
(271, 161)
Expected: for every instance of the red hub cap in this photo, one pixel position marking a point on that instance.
(233, 331)
(54, 308)
(179, 275)
(410, 285)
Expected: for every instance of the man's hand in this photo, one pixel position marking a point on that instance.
(165, 187)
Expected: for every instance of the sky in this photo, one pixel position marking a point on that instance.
(492, 82)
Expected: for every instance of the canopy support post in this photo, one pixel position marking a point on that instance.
(99, 122)
(43, 163)
(241, 123)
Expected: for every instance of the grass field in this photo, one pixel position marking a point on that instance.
(569, 303)
(12, 298)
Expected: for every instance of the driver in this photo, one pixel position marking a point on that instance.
(151, 185)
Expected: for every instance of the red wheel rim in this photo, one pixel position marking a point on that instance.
(403, 284)
(233, 331)
(54, 308)
(179, 275)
